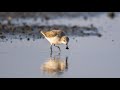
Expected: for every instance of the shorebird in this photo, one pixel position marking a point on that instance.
(56, 37)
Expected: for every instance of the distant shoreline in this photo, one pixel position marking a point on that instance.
(4, 15)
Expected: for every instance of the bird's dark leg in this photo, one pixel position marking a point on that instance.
(51, 47)
(51, 50)
(50, 54)
(57, 47)
(66, 62)
(58, 54)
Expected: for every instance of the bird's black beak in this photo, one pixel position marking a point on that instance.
(67, 46)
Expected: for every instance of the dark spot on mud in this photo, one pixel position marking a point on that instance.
(76, 40)
(47, 18)
(99, 35)
(0, 33)
(85, 17)
(20, 38)
(111, 15)
(112, 40)
(6, 39)
(28, 39)
(33, 39)
(2, 37)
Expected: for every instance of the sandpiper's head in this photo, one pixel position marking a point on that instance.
(65, 41)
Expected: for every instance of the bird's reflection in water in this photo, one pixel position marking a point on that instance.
(55, 65)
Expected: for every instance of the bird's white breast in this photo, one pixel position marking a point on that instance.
(54, 40)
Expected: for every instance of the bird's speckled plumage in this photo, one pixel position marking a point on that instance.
(56, 37)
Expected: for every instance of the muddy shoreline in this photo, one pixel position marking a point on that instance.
(12, 24)
(21, 32)
(46, 15)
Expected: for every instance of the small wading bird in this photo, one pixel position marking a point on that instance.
(56, 37)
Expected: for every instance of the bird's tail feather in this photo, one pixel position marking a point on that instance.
(42, 33)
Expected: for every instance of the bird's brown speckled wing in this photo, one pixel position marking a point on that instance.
(54, 33)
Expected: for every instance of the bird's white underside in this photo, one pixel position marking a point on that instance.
(54, 40)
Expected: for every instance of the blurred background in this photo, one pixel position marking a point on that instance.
(94, 45)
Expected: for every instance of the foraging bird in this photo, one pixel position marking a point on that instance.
(56, 37)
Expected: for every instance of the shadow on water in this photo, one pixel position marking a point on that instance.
(55, 65)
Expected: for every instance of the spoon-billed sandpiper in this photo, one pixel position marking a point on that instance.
(56, 37)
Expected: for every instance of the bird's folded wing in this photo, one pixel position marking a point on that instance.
(54, 33)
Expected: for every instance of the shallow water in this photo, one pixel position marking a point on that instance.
(87, 57)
